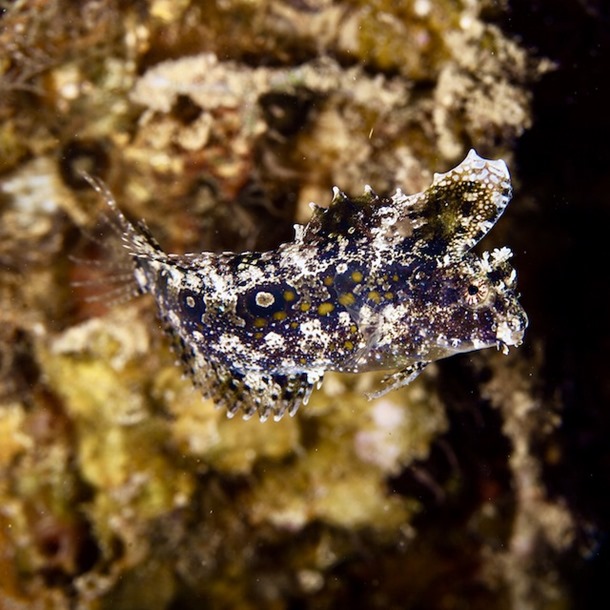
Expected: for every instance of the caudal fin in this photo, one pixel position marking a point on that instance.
(136, 238)
(116, 267)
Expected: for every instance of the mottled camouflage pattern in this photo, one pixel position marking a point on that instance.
(369, 283)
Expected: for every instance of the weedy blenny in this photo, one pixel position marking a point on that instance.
(370, 283)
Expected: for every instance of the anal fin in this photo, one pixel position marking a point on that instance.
(255, 392)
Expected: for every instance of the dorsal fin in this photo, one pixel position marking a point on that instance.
(456, 211)
(344, 215)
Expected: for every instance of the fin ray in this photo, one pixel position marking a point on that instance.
(398, 379)
(457, 210)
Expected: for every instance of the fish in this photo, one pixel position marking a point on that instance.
(370, 283)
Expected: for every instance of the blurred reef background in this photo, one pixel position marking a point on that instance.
(484, 484)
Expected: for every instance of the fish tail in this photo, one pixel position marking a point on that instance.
(137, 238)
(144, 251)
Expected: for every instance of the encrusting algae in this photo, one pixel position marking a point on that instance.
(120, 487)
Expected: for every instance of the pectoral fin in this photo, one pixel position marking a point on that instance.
(398, 379)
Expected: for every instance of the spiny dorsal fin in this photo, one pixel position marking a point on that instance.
(456, 211)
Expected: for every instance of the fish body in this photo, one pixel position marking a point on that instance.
(370, 283)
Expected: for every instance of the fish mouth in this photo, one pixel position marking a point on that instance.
(510, 331)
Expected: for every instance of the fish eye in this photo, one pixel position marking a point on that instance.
(476, 293)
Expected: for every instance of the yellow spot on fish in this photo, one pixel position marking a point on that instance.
(325, 308)
(347, 299)
(374, 296)
(289, 295)
(260, 323)
(305, 306)
(357, 276)
(280, 315)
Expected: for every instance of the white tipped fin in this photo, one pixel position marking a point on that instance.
(368, 190)
(338, 194)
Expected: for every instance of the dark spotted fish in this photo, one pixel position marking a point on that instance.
(370, 283)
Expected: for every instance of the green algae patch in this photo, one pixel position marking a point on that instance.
(350, 447)
(99, 371)
(207, 439)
